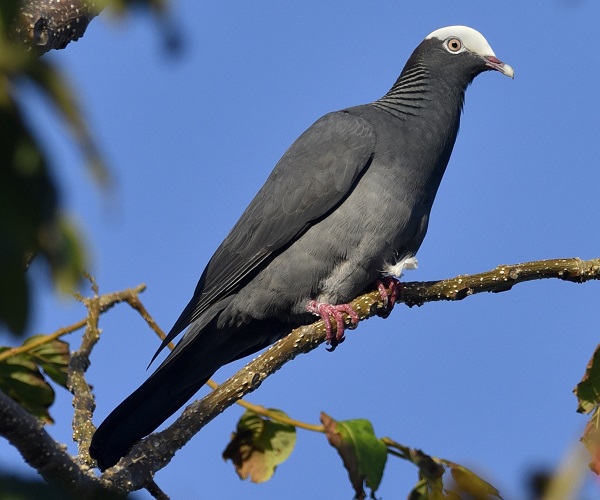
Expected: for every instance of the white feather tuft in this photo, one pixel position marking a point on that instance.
(397, 269)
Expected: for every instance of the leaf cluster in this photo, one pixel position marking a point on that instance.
(32, 222)
(21, 375)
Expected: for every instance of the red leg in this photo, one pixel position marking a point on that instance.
(329, 312)
(389, 289)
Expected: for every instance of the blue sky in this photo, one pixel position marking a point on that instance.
(485, 382)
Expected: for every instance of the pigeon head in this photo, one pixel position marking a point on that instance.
(442, 66)
(462, 48)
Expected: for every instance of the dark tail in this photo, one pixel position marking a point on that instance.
(175, 381)
(148, 407)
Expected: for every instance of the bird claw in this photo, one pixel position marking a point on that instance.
(389, 289)
(328, 312)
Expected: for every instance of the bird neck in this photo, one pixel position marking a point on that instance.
(420, 93)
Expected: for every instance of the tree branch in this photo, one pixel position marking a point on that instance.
(155, 452)
(43, 25)
(83, 399)
(500, 279)
(42, 452)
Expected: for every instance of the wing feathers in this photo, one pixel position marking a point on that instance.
(314, 175)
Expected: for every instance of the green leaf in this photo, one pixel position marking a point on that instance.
(363, 454)
(588, 390)
(420, 491)
(14, 294)
(52, 357)
(469, 483)
(427, 489)
(28, 201)
(60, 93)
(65, 252)
(591, 440)
(259, 445)
(30, 222)
(22, 381)
(8, 11)
(371, 451)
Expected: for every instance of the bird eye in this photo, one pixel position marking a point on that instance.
(454, 44)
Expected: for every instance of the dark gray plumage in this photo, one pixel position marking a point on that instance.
(347, 201)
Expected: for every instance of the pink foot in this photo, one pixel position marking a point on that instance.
(327, 312)
(389, 289)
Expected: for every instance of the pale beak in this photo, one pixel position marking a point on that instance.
(493, 62)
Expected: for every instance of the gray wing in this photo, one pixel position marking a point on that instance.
(311, 179)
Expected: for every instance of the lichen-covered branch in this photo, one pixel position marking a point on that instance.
(83, 399)
(501, 279)
(43, 25)
(152, 454)
(26, 433)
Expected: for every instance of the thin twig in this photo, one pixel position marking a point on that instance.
(42, 340)
(155, 491)
(272, 415)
